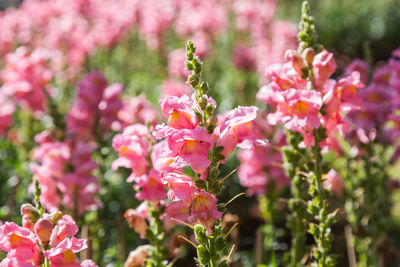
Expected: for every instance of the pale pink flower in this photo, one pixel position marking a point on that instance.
(132, 147)
(20, 244)
(237, 130)
(176, 64)
(137, 219)
(181, 187)
(64, 228)
(361, 66)
(297, 110)
(324, 66)
(149, 187)
(334, 182)
(204, 209)
(110, 106)
(179, 111)
(64, 254)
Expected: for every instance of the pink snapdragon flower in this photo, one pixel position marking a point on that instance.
(176, 210)
(298, 110)
(64, 228)
(179, 111)
(149, 187)
(181, 187)
(25, 77)
(7, 108)
(324, 66)
(237, 130)
(358, 65)
(110, 105)
(20, 244)
(204, 209)
(176, 64)
(137, 219)
(334, 182)
(260, 166)
(83, 114)
(66, 167)
(132, 147)
(174, 88)
(64, 254)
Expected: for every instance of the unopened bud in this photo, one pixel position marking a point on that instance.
(308, 55)
(27, 209)
(297, 62)
(55, 217)
(193, 80)
(43, 229)
(203, 103)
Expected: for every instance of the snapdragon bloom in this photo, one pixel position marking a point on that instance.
(204, 209)
(303, 110)
(137, 110)
(137, 219)
(334, 182)
(64, 254)
(132, 147)
(236, 130)
(51, 238)
(181, 186)
(20, 244)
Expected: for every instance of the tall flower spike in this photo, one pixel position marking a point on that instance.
(307, 35)
(206, 113)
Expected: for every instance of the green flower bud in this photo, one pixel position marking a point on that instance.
(193, 80)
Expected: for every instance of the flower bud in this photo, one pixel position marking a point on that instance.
(27, 209)
(297, 61)
(203, 103)
(55, 217)
(308, 55)
(43, 229)
(193, 80)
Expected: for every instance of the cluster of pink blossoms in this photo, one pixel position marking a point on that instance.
(65, 162)
(189, 144)
(60, 27)
(303, 110)
(25, 77)
(262, 165)
(65, 169)
(377, 118)
(48, 237)
(270, 38)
